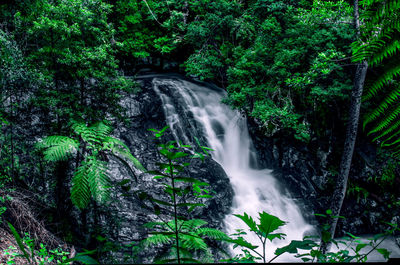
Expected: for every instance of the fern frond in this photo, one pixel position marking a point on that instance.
(58, 148)
(98, 179)
(212, 233)
(157, 239)
(90, 180)
(389, 119)
(377, 85)
(102, 129)
(88, 134)
(80, 190)
(192, 242)
(153, 225)
(193, 224)
(396, 142)
(389, 50)
(386, 8)
(127, 155)
(388, 102)
(388, 132)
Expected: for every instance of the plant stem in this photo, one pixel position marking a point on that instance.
(171, 171)
(264, 249)
(369, 252)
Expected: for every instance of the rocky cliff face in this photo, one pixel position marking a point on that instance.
(122, 219)
(308, 173)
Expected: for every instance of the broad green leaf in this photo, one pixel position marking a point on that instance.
(240, 241)
(269, 223)
(294, 246)
(248, 221)
(360, 246)
(385, 253)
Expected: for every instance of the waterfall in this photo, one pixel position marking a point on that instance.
(256, 189)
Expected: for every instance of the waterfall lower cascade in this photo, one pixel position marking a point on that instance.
(226, 131)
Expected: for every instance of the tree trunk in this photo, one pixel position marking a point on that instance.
(351, 135)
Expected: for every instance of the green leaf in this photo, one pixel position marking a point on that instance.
(178, 155)
(326, 236)
(240, 241)
(294, 246)
(269, 223)
(19, 241)
(277, 235)
(248, 221)
(385, 253)
(124, 181)
(360, 246)
(352, 236)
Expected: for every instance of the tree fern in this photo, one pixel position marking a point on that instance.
(90, 179)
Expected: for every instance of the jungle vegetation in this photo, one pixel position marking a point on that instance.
(305, 71)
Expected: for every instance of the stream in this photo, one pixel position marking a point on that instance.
(226, 131)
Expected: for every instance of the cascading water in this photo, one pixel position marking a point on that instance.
(226, 131)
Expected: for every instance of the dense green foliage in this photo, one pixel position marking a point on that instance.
(184, 234)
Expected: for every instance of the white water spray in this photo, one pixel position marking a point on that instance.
(256, 190)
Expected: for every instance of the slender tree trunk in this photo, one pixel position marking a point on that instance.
(351, 135)
(12, 137)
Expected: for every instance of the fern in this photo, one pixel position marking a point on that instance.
(90, 179)
(157, 239)
(98, 179)
(381, 34)
(184, 236)
(80, 191)
(212, 233)
(58, 148)
(193, 242)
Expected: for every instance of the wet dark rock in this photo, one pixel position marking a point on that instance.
(122, 219)
(306, 171)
